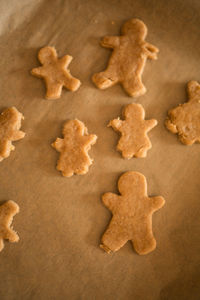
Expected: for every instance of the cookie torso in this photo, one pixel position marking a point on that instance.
(129, 57)
(133, 137)
(55, 72)
(73, 154)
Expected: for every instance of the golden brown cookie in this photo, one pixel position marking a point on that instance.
(126, 64)
(132, 215)
(7, 211)
(185, 119)
(55, 73)
(134, 140)
(10, 123)
(74, 158)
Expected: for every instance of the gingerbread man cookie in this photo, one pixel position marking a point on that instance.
(7, 211)
(126, 64)
(55, 73)
(132, 215)
(185, 119)
(134, 140)
(74, 158)
(10, 123)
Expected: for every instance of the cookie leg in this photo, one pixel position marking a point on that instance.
(54, 90)
(66, 172)
(103, 80)
(113, 239)
(186, 141)
(72, 83)
(142, 152)
(144, 241)
(134, 86)
(82, 169)
(11, 236)
(5, 148)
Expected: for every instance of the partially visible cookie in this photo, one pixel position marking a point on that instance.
(73, 148)
(134, 140)
(7, 211)
(55, 72)
(10, 123)
(185, 118)
(128, 59)
(132, 212)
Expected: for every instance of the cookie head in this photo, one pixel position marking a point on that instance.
(193, 90)
(136, 28)
(134, 111)
(11, 114)
(132, 183)
(47, 55)
(73, 127)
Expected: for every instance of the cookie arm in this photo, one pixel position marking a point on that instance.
(58, 144)
(110, 200)
(89, 139)
(18, 135)
(170, 126)
(65, 60)
(151, 51)
(110, 41)
(38, 72)
(116, 124)
(1, 244)
(157, 202)
(149, 124)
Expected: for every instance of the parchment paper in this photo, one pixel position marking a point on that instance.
(62, 220)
